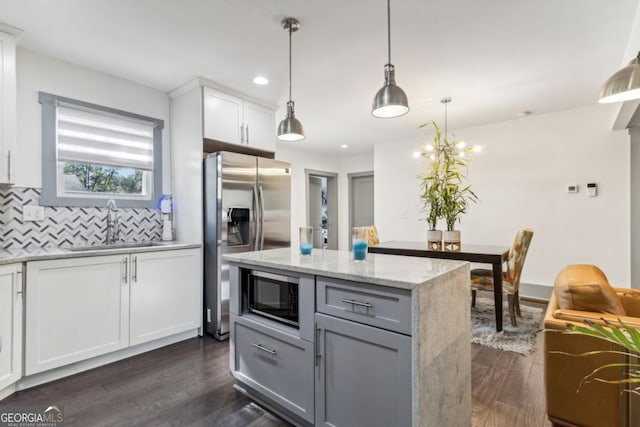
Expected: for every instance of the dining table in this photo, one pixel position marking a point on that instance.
(485, 254)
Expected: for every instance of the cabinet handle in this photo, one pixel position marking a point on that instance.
(266, 350)
(126, 267)
(361, 304)
(20, 290)
(317, 346)
(9, 165)
(242, 134)
(247, 133)
(135, 269)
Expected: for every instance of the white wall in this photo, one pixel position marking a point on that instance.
(341, 165)
(521, 179)
(42, 73)
(635, 206)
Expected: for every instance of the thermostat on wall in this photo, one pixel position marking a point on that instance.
(572, 189)
(592, 189)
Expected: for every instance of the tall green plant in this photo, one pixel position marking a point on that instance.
(443, 189)
(431, 184)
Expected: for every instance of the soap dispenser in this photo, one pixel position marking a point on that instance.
(166, 210)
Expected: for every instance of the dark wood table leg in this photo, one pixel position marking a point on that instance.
(497, 294)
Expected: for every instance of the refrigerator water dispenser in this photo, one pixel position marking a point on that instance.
(238, 227)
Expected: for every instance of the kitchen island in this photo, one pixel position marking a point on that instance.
(323, 340)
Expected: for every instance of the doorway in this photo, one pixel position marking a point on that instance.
(360, 200)
(322, 207)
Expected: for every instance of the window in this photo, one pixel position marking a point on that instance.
(91, 154)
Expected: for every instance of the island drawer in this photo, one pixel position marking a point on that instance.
(379, 306)
(278, 365)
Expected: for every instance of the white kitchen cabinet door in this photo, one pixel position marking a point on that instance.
(10, 324)
(259, 127)
(165, 294)
(223, 117)
(76, 309)
(8, 124)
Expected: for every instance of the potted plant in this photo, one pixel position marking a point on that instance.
(430, 189)
(443, 185)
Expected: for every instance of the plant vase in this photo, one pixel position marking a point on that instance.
(434, 240)
(452, 241)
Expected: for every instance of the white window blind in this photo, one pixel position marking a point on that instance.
(96, 138)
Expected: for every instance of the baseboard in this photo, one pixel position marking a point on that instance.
(85, 365)
(535, 292)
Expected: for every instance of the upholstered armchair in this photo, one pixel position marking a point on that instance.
(583, 292)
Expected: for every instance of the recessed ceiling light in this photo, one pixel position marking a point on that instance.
(344, 146)
(260, 80)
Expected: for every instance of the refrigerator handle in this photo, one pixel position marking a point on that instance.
(256, 208)
(261, 197)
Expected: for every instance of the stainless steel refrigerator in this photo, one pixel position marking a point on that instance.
(247, 207)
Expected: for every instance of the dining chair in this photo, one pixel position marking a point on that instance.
(482, 279)
(374, 239)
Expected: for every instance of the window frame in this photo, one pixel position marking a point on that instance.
(50, 196)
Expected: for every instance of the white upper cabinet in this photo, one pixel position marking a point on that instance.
(8, 123)
(223, 118)
(259, 127)
(237, 121)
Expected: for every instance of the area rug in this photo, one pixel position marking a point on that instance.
(520, 339)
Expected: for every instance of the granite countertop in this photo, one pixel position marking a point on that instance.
(387, 270)
(9, 256)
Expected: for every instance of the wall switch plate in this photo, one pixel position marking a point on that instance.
(32, 213)
(572, 188)
(592, 189)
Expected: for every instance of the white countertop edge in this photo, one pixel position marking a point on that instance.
(357, 271)
(11, 255)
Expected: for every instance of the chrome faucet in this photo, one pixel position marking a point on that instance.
(113, 224)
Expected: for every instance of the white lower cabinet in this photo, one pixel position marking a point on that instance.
(76, 309)
(80, 308)
(10, 324)
(164, 295)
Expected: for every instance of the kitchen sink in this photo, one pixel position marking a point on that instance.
(114, 246)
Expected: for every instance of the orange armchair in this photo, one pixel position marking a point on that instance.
(583, 292)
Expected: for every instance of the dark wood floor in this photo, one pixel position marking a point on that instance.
(188, 384)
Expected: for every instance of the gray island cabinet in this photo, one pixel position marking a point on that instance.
(323, 340)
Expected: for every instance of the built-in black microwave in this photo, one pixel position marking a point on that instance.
(270, 295)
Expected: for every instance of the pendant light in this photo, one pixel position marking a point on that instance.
(290, 128)
(390, 101)
(623, 85)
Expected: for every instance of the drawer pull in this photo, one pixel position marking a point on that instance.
(361, 304)
(266, 350)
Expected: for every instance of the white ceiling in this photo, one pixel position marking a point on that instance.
(495, 58)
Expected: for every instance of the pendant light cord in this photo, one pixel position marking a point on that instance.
(290, 25)
(445, 120)
(389, 31)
